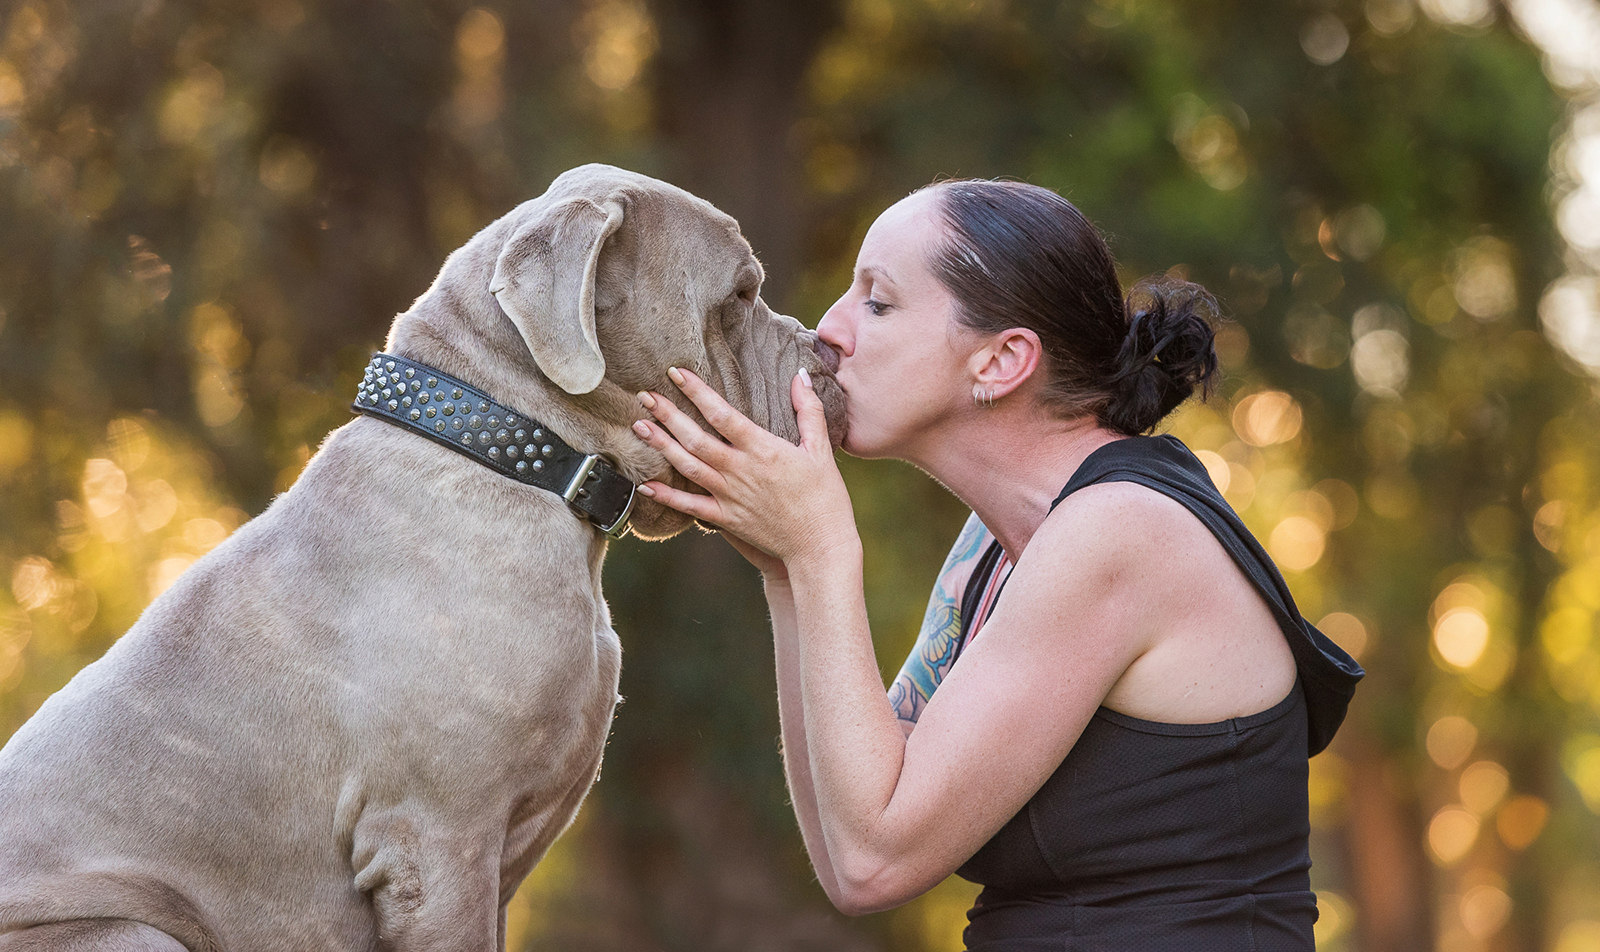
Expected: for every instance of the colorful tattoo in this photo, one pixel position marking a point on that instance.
(935, 649)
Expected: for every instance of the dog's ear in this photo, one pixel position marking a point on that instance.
(544, 281)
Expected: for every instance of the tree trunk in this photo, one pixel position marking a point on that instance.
(730, 86)
(1388, 870)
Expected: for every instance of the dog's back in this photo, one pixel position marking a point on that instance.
(274, 744)
(160, 781)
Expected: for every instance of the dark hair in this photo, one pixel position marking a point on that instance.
(1018, 255)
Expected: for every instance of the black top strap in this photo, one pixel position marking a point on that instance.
(972, 595)
(418, 398)
(1162, 463)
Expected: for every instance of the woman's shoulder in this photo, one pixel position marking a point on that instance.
(1119, 513)
(1133, 492)
(1130, 541)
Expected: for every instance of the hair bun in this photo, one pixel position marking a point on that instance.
(1167, 352)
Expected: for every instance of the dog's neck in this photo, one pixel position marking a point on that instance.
(453, 413)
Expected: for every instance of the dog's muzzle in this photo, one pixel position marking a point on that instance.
(826, 354)
(418, 398)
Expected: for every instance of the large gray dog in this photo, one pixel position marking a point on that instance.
(359, 722)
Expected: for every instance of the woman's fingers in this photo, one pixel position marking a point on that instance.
(718, 412)
(694, 504)
(681, 428)
(669, 443)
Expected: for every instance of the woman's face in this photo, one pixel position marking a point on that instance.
(901, 354)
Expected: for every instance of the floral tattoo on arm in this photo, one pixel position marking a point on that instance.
(935, 650)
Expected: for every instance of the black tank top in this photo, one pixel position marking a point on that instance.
(1170, 836)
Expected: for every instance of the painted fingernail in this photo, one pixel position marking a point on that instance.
(805, 378)
(642, 428)
(676, 375)
(647, 401)
(645, 490)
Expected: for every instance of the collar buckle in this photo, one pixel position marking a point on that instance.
(619, 528)
(583, 474)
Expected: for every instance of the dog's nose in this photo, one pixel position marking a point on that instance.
(826, 353)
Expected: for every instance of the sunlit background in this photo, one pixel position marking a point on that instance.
(210, 211)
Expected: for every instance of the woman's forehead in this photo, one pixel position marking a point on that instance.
(902, 238)
(920, 209)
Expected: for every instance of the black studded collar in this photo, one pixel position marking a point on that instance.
(419, 398)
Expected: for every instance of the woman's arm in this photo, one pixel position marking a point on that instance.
(926, 665)
(791, 720)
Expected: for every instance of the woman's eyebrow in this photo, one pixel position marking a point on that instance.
(877, 275)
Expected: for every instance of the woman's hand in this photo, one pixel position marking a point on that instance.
(779, 503)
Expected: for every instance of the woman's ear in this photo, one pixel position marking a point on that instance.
(1007, 361)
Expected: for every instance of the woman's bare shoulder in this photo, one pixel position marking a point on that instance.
(1118, 519)
(1210, 647)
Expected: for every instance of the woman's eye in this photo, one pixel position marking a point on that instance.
(876, 307)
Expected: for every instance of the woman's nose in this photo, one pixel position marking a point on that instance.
(834, 330)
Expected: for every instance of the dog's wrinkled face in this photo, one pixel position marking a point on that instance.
(612, 277)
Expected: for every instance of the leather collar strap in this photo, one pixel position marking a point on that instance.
(416, 397)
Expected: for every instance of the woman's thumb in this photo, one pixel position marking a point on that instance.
(808, 409)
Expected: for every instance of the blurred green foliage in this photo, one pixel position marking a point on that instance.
(209, 211)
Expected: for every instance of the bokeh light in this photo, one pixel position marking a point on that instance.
(1451, 833)
(1521, 821)
(1483, 785)
(1461, 635)
(1484, 910)
(1263, 419)
(1450, 741)
(1347, 631)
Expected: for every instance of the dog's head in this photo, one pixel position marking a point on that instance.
(612, 277)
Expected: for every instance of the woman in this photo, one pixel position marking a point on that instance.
(1117, 745)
